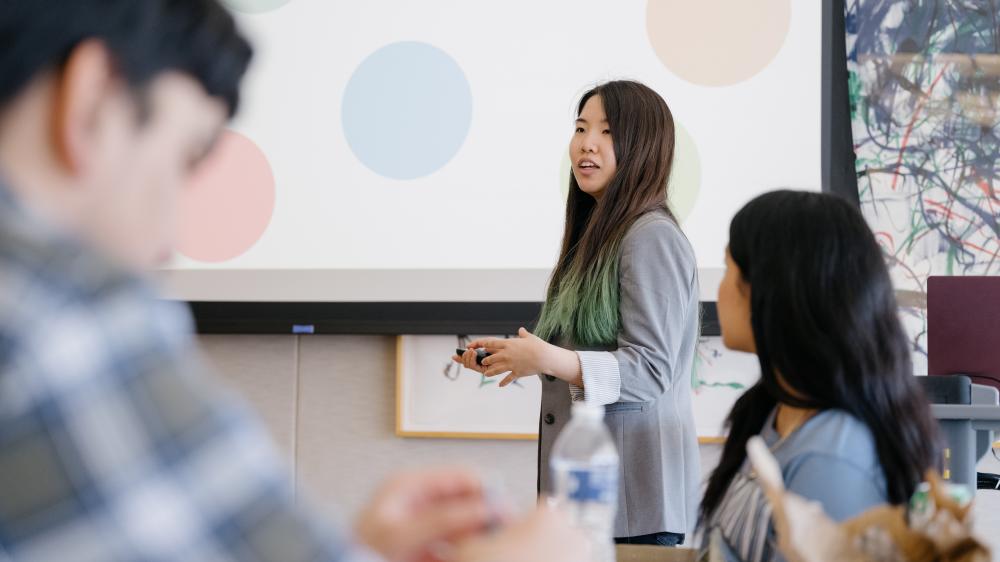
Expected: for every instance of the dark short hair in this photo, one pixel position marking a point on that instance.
(146, 37)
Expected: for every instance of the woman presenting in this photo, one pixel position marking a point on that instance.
(620, 322)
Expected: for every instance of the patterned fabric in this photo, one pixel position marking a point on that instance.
(114, 444)
(831, 459)
(744, 516)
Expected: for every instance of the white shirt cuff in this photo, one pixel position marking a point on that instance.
(602, 381)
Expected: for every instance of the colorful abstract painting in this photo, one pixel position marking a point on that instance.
(924, 79)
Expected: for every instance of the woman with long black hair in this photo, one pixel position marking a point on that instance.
(807, 290)
(620, 324)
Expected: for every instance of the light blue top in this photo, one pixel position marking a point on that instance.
(831, 459)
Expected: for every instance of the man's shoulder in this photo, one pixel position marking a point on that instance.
(62, 303)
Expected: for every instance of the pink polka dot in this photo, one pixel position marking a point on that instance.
(228, 204)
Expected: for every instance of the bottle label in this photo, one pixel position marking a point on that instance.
(596, 484)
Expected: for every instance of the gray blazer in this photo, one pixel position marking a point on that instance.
(650, 414)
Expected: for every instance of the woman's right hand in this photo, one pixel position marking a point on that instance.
(468, 360)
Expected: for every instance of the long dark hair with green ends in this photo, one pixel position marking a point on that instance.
(583, 295)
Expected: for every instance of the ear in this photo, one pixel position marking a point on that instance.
(85, 80)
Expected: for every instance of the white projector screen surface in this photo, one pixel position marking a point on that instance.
(418, 151)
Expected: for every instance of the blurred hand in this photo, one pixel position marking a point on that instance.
(542, 536)
(413, 513)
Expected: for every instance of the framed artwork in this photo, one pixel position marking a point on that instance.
(718, 377)
(438, 398)
(923, 85)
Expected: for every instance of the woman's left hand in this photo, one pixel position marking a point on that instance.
(519, 357)
(524, 356)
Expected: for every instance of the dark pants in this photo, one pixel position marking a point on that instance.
(658, 539)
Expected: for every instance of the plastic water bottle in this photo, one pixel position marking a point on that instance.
(584, 465)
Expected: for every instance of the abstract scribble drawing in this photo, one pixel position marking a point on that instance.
(705, 358)
(452, 370)
(924, 84)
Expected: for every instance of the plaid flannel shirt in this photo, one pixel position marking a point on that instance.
(114, 444)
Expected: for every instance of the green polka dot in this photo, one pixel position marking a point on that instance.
(685, 178)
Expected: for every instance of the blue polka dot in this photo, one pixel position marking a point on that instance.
(407, 110)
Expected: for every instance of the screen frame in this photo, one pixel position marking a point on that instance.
(381, 318)
(838, 175)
